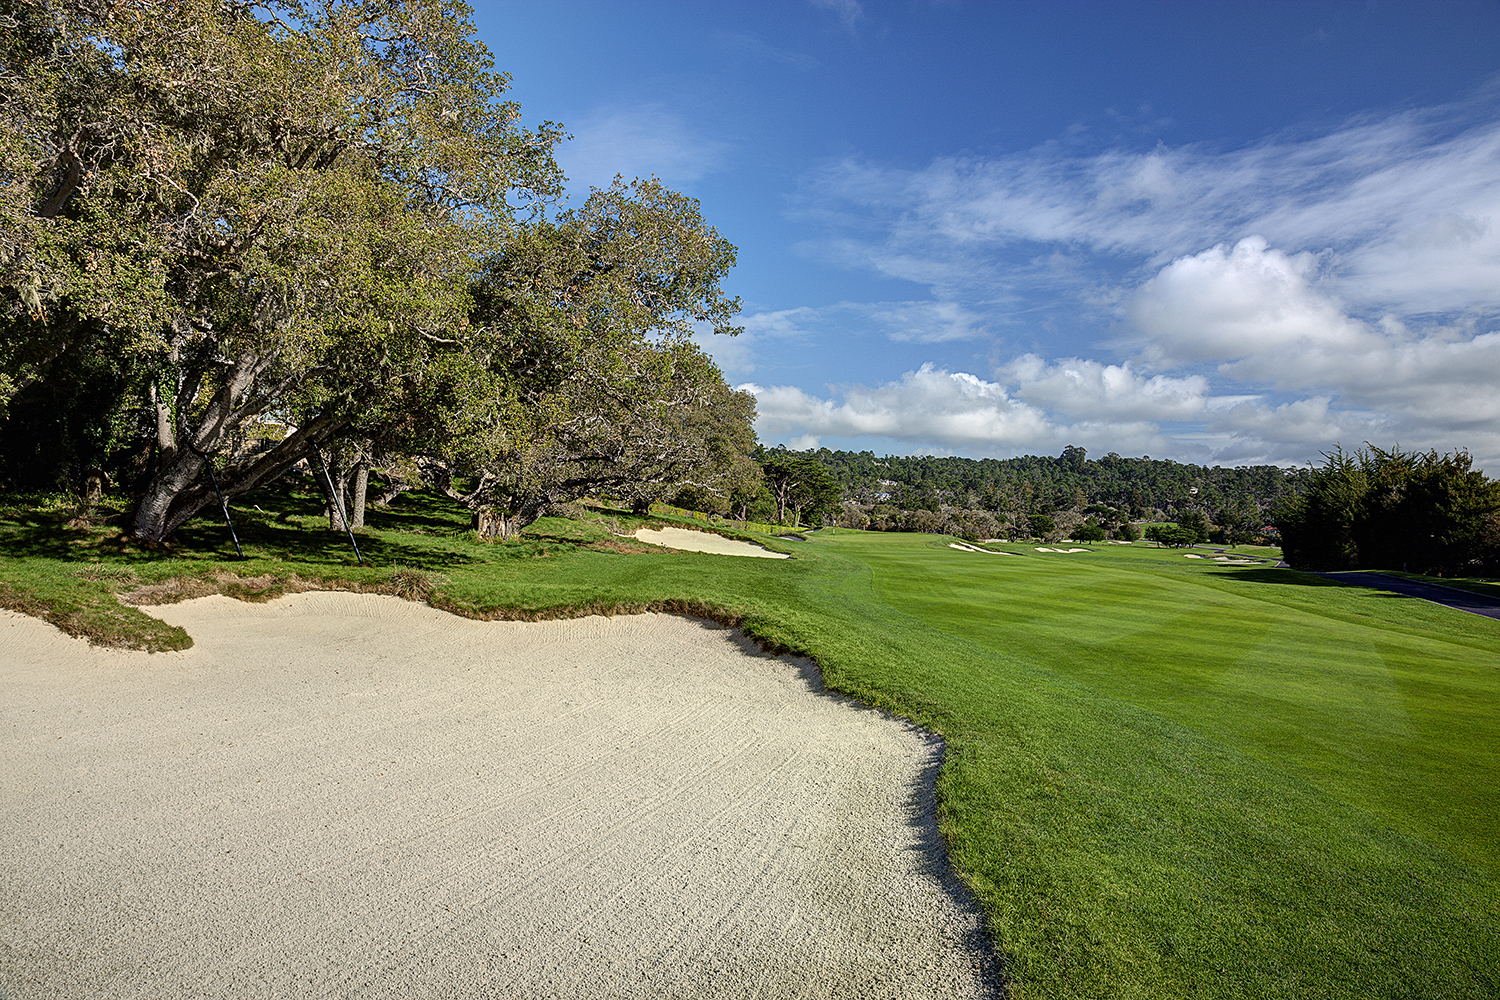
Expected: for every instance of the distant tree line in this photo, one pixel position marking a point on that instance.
(1068, 495)
(1376, 509)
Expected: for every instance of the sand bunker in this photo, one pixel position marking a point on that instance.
(965, 547)
(1236, 561)
(1043, 548)
(703, 541)
(1191, 555)
(339, 795)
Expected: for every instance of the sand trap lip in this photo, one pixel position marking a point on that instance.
(703, 541)
(340, 795)
(965, 547)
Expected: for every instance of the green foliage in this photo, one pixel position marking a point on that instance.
(1041, 525)
(800, 485)
(1194, 523)
(1089, 531)
(1172, 535)
(1124, 487)
(1376, 509)
(592, 383)
(277, 207)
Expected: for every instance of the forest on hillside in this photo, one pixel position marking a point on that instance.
(1029, 496)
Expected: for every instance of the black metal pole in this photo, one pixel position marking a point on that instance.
(333, 498)
(208, 463)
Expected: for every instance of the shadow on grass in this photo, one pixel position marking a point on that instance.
(1278, 577)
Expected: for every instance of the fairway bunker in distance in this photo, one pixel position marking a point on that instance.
(1043, 548)
(348, 795)
(963, 547)
(704, 541)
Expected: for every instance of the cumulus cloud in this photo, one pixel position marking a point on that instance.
(1037, 405)
(924, 405)
(638, 142)
(1257, 312)
(1249, 301)
(1089, 390)
(1111, 408)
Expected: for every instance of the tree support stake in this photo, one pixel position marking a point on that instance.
(333, 498)
(208, 463)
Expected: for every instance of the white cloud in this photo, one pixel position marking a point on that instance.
(1410, 205)
(637, 142)
(927, 405)
(1257, 312)
(1246, 302)
(942, 411)
(1088, 390)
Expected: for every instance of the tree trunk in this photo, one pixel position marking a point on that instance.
(336, 505)
(170, 499)
(391, 493)
(360, 489)
(180, 491)
(498, 524)
(166, 434)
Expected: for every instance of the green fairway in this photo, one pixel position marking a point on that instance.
(1166, 777)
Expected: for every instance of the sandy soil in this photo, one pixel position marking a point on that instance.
(703, 541)
(1043, 548)
(339, 795)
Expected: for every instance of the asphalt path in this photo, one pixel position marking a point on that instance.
(1449, 597)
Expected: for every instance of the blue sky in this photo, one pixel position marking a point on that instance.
(1226, 233)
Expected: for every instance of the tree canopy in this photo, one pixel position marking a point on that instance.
(1379, 509)
(284, 223)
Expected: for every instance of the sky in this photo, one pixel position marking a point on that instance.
(1220, 233)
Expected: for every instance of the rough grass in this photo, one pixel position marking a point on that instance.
(1165, 777)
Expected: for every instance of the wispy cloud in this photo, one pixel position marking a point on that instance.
(849, 11)
(756, 48)
(920, 322)
(1407, 208)
(638, 141)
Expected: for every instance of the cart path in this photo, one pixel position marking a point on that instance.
(1450, 597)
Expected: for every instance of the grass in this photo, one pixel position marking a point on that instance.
(1165, 777)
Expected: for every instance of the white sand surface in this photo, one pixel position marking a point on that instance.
(1043, 548)
(1192, 555)
(704, 541)
(340, 795)
(964, 547)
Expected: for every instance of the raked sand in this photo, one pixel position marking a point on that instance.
(704, 541)
(339, 795)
